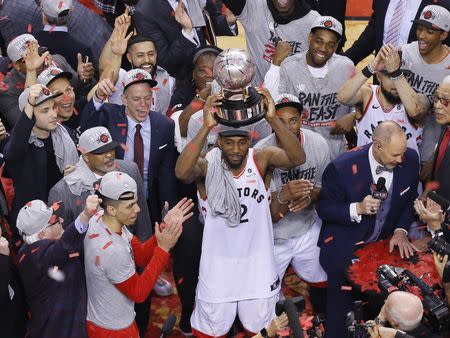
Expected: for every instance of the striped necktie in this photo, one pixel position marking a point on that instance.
(393, 33)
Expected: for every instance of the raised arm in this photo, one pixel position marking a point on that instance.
(353, 92)
(189, 165)
(290, 153)
(416, 105)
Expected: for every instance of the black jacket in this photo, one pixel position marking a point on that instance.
(371, 39)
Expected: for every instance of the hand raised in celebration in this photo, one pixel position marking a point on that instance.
(85, 69)
(105, 88)
(210, 108)
(269, 103)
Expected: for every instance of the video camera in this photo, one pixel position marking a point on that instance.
(391, 279)
(356, 327)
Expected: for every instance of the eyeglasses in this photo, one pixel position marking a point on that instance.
(442, 100)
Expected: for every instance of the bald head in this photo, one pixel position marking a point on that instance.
(404, 310)
(386, 131)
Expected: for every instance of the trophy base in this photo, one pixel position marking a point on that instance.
(239, 113)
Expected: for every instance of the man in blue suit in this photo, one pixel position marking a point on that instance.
(350, 214)
(147, 137)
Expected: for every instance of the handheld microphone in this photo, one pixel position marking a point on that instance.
(294, 322)
(380, 191)
(168, 326)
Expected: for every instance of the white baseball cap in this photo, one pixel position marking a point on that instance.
(115, 183)
(328, 22)
(96, 140)
(52, 73)
(137, 76)
(17, 48)
(56, 8)
(44, 96)
(434, 16)
(36, 216)
(288, 100)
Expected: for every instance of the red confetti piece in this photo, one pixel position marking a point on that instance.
(92, 236)
(106, 246)
(52, 28)
(165, 82)
(346, 288)
(254, 134)
(29, 204)
(35, 249)
(3, 86)
(328, 239)
(109, 232)
(55, 206)
(432, 186)
(121, 124)
(97, 260)
(180, 281)
(21, 258)
(20, 86)
(29, 28)
(18, 243)
(154, 89)
(74, 254)
(354, 169)
(124, 132)
(78, 202)
(117, 166)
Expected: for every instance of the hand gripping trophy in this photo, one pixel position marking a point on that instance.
(242, 105)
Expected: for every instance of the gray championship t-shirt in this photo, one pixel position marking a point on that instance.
(263, 33)
(318, 96)
(425, 78)
(317, 152)
(108, 260)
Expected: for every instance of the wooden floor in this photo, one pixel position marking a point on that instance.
(353, 30)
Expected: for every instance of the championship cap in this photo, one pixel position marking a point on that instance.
(288, 100)
(17, 48)
(44, 96)
(36, 216)
(96, 140)
(114, 184)
(434, 16)
(137, 76)
(52, 73)
(56, 8)
(226, 131)
(328, 22)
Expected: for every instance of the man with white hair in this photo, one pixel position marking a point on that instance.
(51, 269)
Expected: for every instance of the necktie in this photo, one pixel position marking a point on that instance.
(393, 33)
(443, 145)
(139, 149)
(380, 169)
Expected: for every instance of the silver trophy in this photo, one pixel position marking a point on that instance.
(242, 105)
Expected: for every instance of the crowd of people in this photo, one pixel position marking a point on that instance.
(114, 164)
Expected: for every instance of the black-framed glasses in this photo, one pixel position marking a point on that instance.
(442, 100)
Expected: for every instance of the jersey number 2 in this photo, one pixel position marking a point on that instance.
(243, 213)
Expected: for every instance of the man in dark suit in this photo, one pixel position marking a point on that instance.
(350, 214)
(178, 31)
(373, 37)
(152, 147)
(55, 34)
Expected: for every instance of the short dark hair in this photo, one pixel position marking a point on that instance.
(138, 39)
(106, 201)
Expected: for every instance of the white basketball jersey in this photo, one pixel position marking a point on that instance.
(237, 262)
(374, 115)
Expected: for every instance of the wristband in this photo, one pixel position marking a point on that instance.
(96, 96)
(367, 71)
(279, 199)
(33, 105)
(264, 333)
(396, 75)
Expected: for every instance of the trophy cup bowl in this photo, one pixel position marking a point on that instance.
(242, 105)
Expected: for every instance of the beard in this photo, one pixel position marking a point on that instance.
(393, 99)
(233, 165)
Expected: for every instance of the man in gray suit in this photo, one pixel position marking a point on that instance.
(98, 157)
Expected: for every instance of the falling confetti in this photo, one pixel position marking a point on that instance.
(56, 274)
(328, 239)
(346, 288)
(29, 28)
(107, 245)
(432, 186)
(354, 169)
